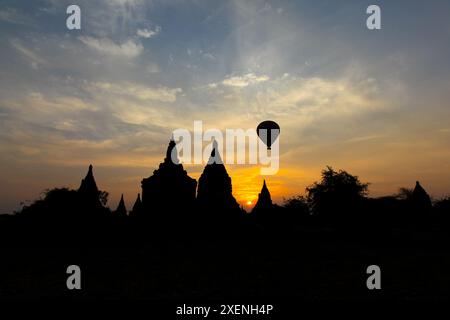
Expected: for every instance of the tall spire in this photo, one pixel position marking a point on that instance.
(214, 186)
(88, 183)
(264, 199)
(121, 209)
(137, 207)
(138, 202)
(265, 193)
(88, 188)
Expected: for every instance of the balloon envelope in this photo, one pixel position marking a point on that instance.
(268, 132)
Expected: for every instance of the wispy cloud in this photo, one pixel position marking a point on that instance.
(128, 49)
(133, 90)
(364, 138)
(148, 33)
(244, 80)
(33, 59)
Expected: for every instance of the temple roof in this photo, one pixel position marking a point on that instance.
(264, 199)
(88, 184)
(137, 203)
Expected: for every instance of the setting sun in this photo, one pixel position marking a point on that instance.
(249, 203)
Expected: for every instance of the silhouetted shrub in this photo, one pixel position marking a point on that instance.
(339, 194)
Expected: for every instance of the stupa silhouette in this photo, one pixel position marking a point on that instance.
(88, 191)
(214, 186)
(169, 189)
(138, 209)
(89, 194)
(264, 200)
(420, 199)
(121, 210)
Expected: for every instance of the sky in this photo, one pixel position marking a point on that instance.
(372, 102)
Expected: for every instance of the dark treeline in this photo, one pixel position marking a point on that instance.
(185, 238)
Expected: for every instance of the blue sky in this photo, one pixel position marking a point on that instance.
(372, 102)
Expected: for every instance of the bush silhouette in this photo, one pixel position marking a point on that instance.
(337, 194)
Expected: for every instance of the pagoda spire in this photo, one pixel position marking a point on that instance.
(265, 193)
(121, 208)
(88, 184)
(88, 188)
(137, 207)
(264, 199)
(214, 186)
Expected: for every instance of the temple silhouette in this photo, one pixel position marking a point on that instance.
(121, 210)
(184, 238)
(264, 200)
(420, 199)
(214, 187)
(169, 184)
(88, 190)
(170, 198)
(138, 208)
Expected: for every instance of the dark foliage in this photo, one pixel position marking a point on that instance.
(338, 196)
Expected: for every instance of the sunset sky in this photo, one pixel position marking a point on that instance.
(375, 103)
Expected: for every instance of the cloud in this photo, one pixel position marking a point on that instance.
(319, 98)
(127, 49)
(209, 56)
(99, 96)
(133, 90)
(53, 123)
(148, 33)
(364, 138)
(296, 100)
(244, 80)
(34, 60)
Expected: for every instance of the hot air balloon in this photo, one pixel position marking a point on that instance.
(268, 132)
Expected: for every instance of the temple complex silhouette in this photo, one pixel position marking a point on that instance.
(214, 186)
(170, 187)
(169, 193)
(169, 184)
(183, 235)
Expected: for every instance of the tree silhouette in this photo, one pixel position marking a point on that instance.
(404, 193)
(338, 193)
(54, 203)
(298, 204)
